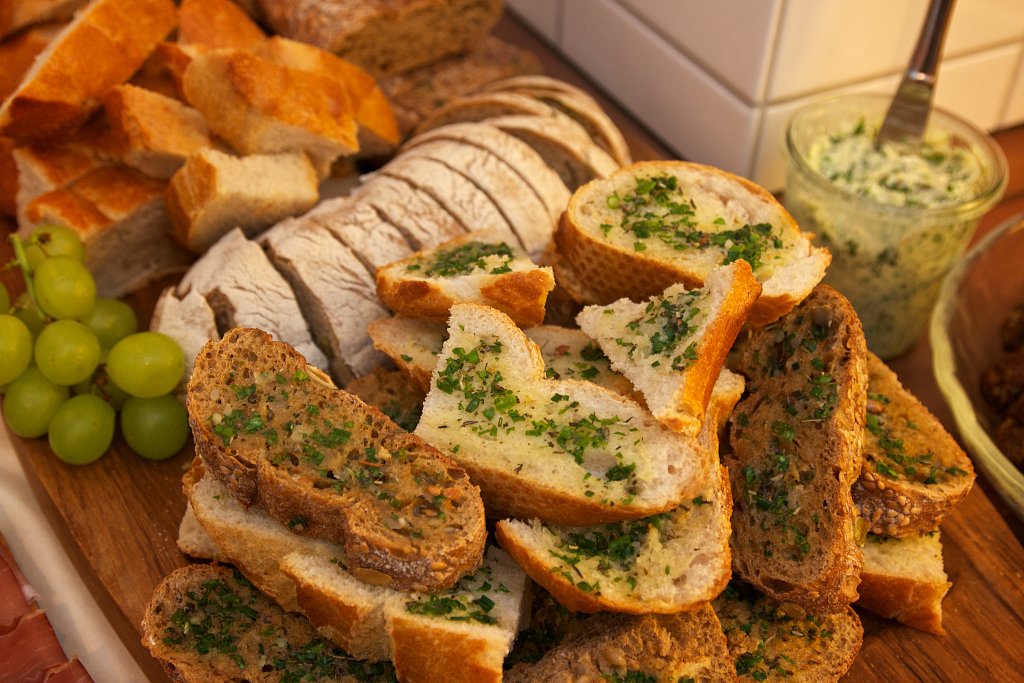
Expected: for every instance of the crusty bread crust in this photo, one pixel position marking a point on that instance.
(796, 451)
(370, 459)
(217, 24)
(914, 471)
(596, 271)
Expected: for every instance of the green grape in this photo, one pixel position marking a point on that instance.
(112, 321)
(102, 386)
(15, 348)
(5, 299)
(64, 288)
(67, 352)
(49, 241)
(146, 364)
(82, 429)
(155, 428)
(31, 401)
(26, 311)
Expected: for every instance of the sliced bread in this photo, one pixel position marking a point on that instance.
(480, 267)
(914, 472)
(359, 226)
(18, 52)
(673, 346)
(903, 579)
(217, 24)
(657, 223)
(769, 641)
(207, 623)
(412, 344)
(18, 14)
(482, 106)
(187, 318)
(796, 450)
(422, 214)
(274, 431)
(392, 393)
(563, 451)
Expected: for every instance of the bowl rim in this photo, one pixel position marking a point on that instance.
(1004, 475)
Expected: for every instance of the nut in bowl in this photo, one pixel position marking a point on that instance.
(976, 298)
(895, 215)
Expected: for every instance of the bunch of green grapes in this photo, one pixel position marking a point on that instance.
(70, 362)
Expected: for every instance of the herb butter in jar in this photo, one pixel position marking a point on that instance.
(895, 215)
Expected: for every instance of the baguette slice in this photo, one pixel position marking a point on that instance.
(412, 344)
(770, 642)
(197, 604)
(275, 432)
(18, 52)
(17, 14)
(903, 579)
(796, 451)
(673, 346)
(703, 218)
(613, 647)
(217, 24)
(480, 267)
(482, 106)
(667, 563)
(101, 47)
(564, 451)
(914, 472)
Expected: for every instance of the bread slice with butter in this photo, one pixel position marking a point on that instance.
(657, 223)
(276, 432)
(564, 451)
(481, 267)
(672, 346)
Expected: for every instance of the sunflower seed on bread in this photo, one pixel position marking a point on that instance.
(564, 451)
(276, 432)
(796, 450)
(914, 472)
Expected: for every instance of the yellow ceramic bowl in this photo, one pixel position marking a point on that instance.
(975, 299)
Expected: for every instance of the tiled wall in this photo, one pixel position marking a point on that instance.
(717, 80)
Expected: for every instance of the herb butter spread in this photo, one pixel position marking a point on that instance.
(465, 259)
(665, 333)
(474, 599)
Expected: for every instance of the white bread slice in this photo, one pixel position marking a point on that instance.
(541, 178)
(261, 107)
(101, 47)
(369, 235)
(378, 130)
(525, 213)
(673, 346)
(667, 563)
(422, 219)
(335, 293)
(156, 133)
(482, 106)
(194, 541)
(609, 247)
(17, 14)
(243, 288)
(479, 267)
(903, 579)
(216, 192)
(412, 344)
(564, 451)
(217, 24)
(187, 319)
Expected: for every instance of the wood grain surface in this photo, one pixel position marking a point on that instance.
(119, 516)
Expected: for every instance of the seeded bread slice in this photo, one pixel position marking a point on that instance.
(772, 642)
(609, 246)
(277, 433)
(564, 451)
(903, 579)
(914, 472)
(796, 450)
(673, 346)
(615, 647)
(666, 563)
(479, 267)
(200, 603)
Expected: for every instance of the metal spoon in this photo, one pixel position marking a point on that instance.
(908, 114)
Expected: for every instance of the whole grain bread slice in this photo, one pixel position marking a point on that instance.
(276, 432)
(769, 641)
(564, 451)
(672, 346)
(914, 472)
(657, 223)
(796, 451)
(480, 267)
(200, 603)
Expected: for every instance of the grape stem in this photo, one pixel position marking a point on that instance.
(26, 271)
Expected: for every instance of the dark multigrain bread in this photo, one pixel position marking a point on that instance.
(772, 642)
(914, 472)
(207, 624)
(321, 461)
(616, 647)
(796, 451)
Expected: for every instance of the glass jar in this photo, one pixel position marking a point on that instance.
(894, 223)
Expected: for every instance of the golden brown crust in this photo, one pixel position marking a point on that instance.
(912, 602)
(423, 655)
(216, 24)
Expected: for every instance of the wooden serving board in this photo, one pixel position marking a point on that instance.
(119, 518)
